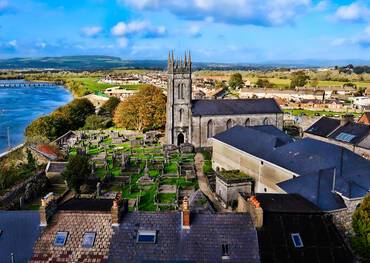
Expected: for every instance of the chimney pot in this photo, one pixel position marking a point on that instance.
(185, 214)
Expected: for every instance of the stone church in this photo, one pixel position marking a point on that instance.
(197, 121)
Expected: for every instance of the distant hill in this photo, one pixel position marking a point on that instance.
(109, 62)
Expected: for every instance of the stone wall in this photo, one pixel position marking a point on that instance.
(255, 211)
(28, 189)
(343, 218)
(199, 125)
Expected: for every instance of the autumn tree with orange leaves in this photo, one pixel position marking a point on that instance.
(144, 110)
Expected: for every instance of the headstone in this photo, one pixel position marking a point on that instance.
(98, 190)
(21, 202)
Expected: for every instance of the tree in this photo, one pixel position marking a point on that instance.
(95, 122)
(314, 82)
(77, 171)
(31, 162)
(77, 111)
(361, 228)
(236, 81)
(299, 79)
(109, 107)
(219, 84)
(144, 110)
(264, 83)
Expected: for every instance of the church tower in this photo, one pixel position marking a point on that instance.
(179, 91)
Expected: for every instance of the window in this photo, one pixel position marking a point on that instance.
(229, 124)
(210, 129)
(297, 241)
(60, 239)
(345, 137)
(179, 91)
(225, 251)
(266, 121)
(89, 239)
(247, 122)
(182, 91)
(181, 114)
(146, 236)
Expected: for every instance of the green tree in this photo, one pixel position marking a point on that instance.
(144, 110)
(77, 171)
(219, 84)
(31, 162)
(264, 83)
(77, 111)
(95, 122)
(109, 106)
(361, 228)
(236, 81)
(299, 79)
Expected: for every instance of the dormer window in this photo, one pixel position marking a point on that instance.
(146, 236)
(60, 239)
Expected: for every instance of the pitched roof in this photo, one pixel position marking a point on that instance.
(243, 138)
(201, 243)
(76, 223)
(320, 238)
(20, 231)
(356, 130)
(234, 107)
(75, 204)
(323, 127)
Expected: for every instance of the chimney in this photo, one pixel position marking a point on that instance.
(185, 214)
(117, 208)
(48, 208)
(346, 118)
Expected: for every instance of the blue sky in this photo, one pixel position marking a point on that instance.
(213, 30)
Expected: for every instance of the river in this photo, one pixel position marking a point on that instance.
(19, 106)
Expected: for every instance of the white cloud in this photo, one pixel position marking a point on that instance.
(362, 39)
(122, 42)
(355, 12)
(137, 27)
(322, 6)
(41, 45)
(194, 31)
(12, 43)
(257, 12)
(91, 31)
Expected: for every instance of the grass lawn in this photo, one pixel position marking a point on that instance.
(311, 113)
(167, 198)
(170, 168)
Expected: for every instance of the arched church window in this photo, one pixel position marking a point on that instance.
(181, 115)
(266, 121)
(247, 122)
(182, 90)
(229, 124)
(179, 91)
(210, 129)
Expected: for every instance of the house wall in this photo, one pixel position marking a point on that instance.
(199, 125)
(266, 174)
(229, 192)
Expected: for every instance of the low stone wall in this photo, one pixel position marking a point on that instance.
(27, 190)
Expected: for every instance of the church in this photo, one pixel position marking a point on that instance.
(197, 121)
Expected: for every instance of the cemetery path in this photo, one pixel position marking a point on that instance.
(204, 184)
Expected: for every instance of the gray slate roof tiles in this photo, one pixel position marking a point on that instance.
(202, 243)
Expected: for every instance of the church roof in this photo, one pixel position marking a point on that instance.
(234, 107)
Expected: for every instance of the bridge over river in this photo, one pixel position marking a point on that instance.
(10, 84)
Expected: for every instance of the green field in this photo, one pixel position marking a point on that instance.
(311, 113)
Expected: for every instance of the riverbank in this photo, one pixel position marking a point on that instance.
(19, 106)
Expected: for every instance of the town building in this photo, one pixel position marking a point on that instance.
(119, 93)
(332, 177)
(197, 121)
(365, 118)
(185, 236)
(344, 132)
(292, 229)
(18, 232)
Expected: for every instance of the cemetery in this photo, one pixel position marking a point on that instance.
(151, 175)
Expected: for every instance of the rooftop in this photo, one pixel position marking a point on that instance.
(234, 176)
(75, 204)
(174, 244)
(323, 127)
(234, 107)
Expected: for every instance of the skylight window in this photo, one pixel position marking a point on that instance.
(60, 239)
(345, 137)
(146, 236)
(297, 241)
(89, 239)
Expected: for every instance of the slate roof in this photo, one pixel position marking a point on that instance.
(75, 204)
(201, 243)
(20, 231)
(356, 129)
(320, 238)
(234, 107)
(323, 127)
(244, 138)
(313, 160)
(286, 203)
